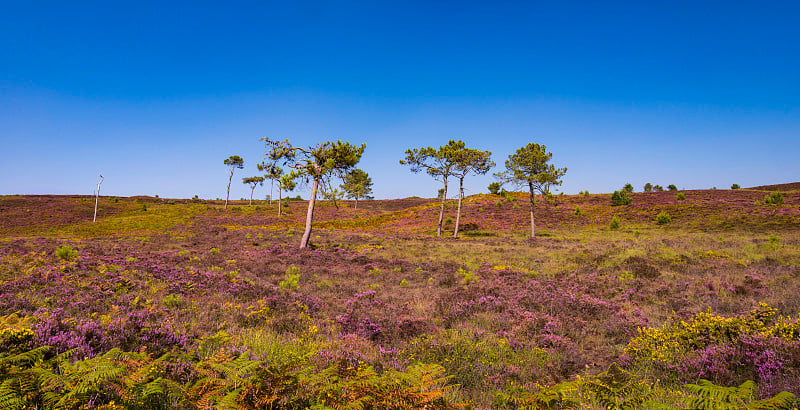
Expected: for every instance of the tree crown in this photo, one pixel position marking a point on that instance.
(438, 163)
(234, 161)
(529, 166)
(357, 184)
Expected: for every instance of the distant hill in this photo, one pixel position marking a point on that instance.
(792, 186)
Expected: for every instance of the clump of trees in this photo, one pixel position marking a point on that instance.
(317, 164)
(440, 163)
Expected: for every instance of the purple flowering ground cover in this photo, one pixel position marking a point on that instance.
(496, 310)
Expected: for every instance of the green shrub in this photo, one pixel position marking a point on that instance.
(291, 279)
(494, 188)
(776, 198)
(614, 223)
(735, 186)
(672, 187)
(172, 301)
(499, 204)
(620, 198)
(467, 276)
(628, 188)
(403, 283)
(578, 211)
(648, 187)
(681, 196)
(66, 253)
(663, 218)
(658, 188)
(144, 207)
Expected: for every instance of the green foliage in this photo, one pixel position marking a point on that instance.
(775, 198)
(628, 188)
(291, 279)
(578, 211)
(707, 395)
(403, 283)
(663, 218)
(529, 167)
(467, 277)
(619, 198)
(735, 186)
(658, 188)
(494, 188)
(616, 389)
(173, 301)
(680, 196)
(585, 193)
(66, 253)
(357, 184)
(614, 223)
(648, 187)
(234, 161)
(672, 187)
(144, 208)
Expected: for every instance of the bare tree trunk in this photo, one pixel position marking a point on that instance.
(251, 195)
(280, 201)
(227, 194)
(310, 214)
(97, 197)
(441, 210)
(533, 203)
(356, 207)
(460, 197)
(271, 185)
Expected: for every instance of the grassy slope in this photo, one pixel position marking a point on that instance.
(540, 311)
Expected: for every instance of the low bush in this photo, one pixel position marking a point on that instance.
(775, 198)
(619, 198)
(66, 253)
(680, 196)
(663, 218)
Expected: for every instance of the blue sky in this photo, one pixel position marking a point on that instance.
(155, 96)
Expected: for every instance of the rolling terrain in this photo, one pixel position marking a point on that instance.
(204, 307)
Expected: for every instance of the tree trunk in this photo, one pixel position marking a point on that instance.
(356, 203)
(460, 197)
(310, 214)
(533, 203)
(271, 185)
(227, 194)
(441, 210)
(96, 198)
(280, 201)
(251, 195)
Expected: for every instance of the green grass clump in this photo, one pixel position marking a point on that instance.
(66, 253)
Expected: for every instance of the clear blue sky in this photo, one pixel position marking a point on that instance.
(156, 94)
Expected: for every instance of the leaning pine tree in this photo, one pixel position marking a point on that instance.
(439, 163)
(469, 161)
(529, 167)
(253, 182)
(234, 161)
(317, 164)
